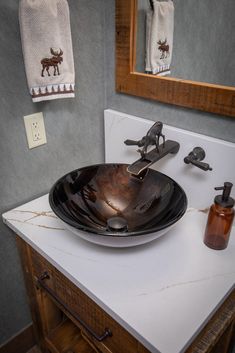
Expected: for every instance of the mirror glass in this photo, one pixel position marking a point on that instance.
(203, 40)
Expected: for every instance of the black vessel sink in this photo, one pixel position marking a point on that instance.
(106, 205)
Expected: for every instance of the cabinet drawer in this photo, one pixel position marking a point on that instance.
(100, 327)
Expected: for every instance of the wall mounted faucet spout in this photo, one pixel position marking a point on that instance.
(148, 158)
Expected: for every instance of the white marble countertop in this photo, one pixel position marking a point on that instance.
(162, 293)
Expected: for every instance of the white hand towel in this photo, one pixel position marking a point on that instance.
(47, 48)
(159, 44)
(149, 16)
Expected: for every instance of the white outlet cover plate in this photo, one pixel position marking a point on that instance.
(29, 121)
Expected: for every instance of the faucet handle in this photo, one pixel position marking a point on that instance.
(201, 165)
(133, 143)
(195, 157)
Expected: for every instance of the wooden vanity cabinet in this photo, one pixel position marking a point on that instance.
(66, 320)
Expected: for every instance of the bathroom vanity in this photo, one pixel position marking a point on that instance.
(171, 295)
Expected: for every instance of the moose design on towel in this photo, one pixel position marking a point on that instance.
(164, 48)
(54, 61)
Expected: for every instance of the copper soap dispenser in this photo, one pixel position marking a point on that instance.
(220, 219)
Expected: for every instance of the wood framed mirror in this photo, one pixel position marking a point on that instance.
(207, 97)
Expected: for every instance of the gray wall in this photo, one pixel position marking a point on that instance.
(204, 44)
(74, 128)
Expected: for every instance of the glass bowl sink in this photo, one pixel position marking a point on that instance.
(106, 205)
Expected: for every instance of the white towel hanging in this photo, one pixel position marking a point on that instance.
(47, 48)
(159, 37)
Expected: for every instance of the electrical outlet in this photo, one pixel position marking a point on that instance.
(35, 130)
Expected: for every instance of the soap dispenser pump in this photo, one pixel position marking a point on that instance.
(220, 219)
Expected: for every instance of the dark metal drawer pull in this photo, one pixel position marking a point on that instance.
(42, 284)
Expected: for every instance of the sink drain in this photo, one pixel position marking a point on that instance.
(117, 224)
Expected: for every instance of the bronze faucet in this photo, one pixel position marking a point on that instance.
(148, 158)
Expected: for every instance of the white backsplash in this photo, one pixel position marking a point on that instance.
(198, 184)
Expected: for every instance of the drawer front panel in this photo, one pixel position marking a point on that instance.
(89, 314)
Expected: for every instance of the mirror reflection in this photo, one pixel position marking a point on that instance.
(188, 39)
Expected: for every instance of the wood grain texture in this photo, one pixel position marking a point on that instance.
(21, 342)
(66, 337)
(24, 251)
(197, 95)
(35, 349)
